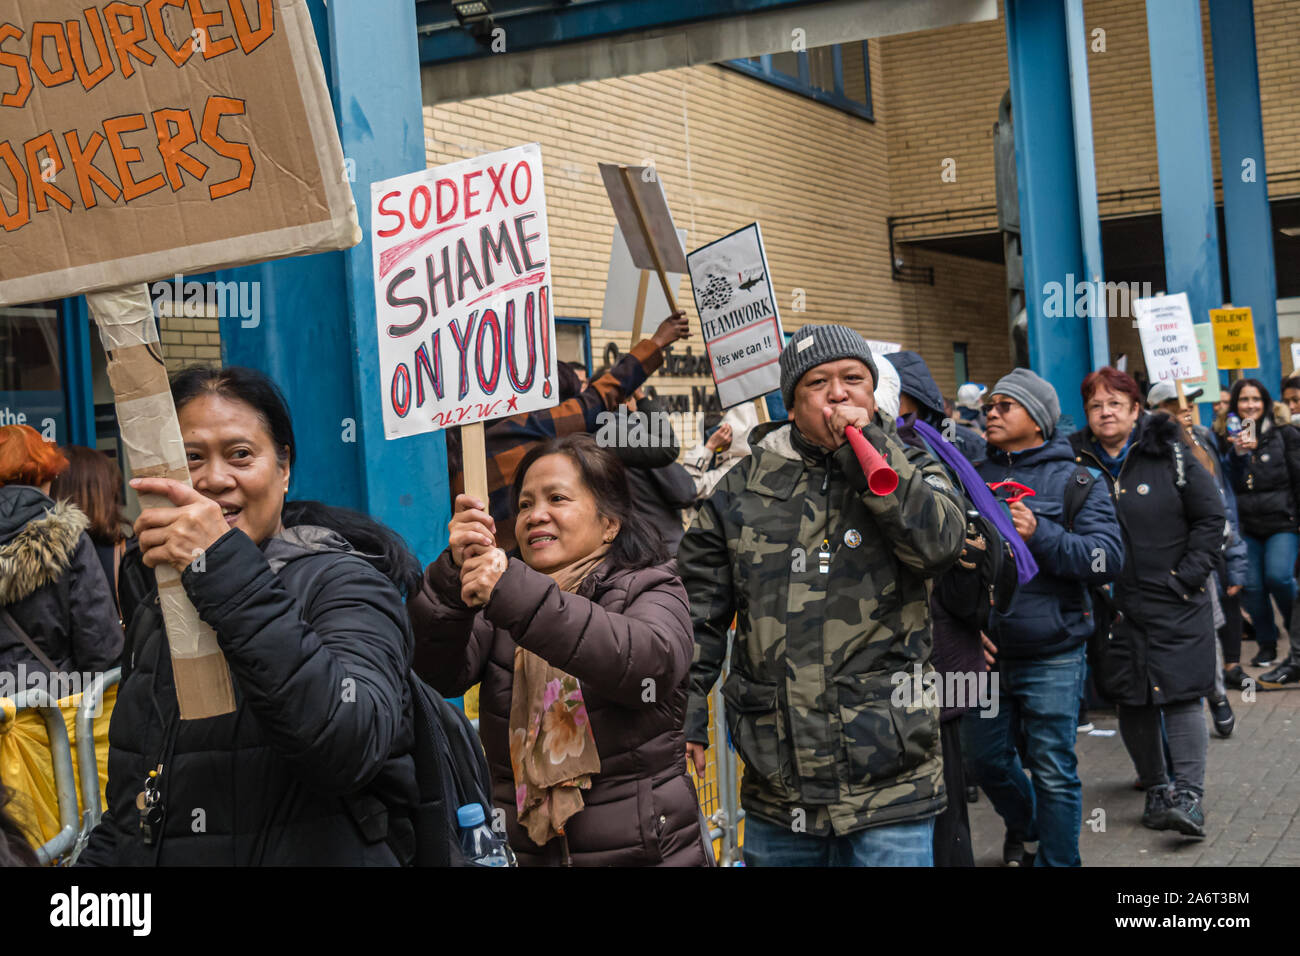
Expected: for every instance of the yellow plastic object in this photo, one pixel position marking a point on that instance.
(27, 767)
(471, 702)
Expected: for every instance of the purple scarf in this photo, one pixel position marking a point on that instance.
(980, 496)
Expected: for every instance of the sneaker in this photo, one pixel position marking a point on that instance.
(1282, 677)
(972, 794)
(1185, 815)
(1224, 720)
(1266, 657)
(1085, 724)
(1234, 677)
(1013, 849)
(1155, 816)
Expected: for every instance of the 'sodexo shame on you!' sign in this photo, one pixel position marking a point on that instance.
(144, 139)
(463, 292)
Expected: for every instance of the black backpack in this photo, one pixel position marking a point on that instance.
(451, 771)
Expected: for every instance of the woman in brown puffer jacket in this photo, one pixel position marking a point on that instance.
(582, 644)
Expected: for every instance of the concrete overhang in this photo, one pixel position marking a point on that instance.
(558, 45)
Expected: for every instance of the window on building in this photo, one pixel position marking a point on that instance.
(573, 341)
(31, 368)
(961, 368)
(838, 75)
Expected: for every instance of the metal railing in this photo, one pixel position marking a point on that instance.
(73, 834)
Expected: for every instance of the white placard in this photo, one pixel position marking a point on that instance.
(463, 292)
(621, 288)
(1168, 339)
(1295, 357)
(883, 348)
(742, 329)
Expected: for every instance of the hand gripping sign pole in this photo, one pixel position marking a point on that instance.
(152, 436)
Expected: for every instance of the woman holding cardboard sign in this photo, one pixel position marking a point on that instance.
(582, 648)
(306, 601)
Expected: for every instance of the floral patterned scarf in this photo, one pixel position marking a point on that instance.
(552, 750)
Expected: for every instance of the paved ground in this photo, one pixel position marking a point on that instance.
(1252, 794)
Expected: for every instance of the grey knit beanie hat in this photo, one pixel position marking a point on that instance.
(815, 345)
(1035, 393)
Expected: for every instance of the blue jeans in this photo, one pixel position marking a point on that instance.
(1042, 696)
(1270, 572)
(895, 844)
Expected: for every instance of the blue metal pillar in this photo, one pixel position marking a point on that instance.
(315, 334)
(1051, 228)
(1086, 173)
(1187, 215)
(375, 78)
(1247, 218)
(78, 381)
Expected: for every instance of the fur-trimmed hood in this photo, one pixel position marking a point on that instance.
(39, 539)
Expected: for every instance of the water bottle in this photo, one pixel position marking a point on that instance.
(480, 845)
(1234, 424)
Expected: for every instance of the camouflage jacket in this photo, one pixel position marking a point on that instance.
(818, 643)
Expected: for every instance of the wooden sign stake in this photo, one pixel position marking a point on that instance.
(638, 317)
(649, 240)
(473, 452)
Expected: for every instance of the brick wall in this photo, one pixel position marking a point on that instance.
(730, 150)
(945, 85)
(186, 341)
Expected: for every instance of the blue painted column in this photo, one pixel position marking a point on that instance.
(375, 78)
(1247, 218)
(1187, 215)
(1086, 174)
(315, 331)
(78, 379)
(1050, 224)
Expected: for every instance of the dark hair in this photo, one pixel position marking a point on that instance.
(638, 545)
(15, 845)
(1263, 393)
(382, 547)
(1292, 382)
(241, 384)
(1112, 379)
(93, 483)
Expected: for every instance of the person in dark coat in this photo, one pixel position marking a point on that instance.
(51, 584)
(1159, 662)
(314, 765)
(1263, 462)
(1039, 640)
(641, 434)
(582, 646)
(958, 656)
(1229, 578)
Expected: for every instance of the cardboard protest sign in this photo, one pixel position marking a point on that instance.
(1168, 339)
(141, 140)
(463, 292)
(641, 208)
(1234, 338)
(630, 292)
(1208, 382)
(742, 330)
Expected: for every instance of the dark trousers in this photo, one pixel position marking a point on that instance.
(1230, 633)
(952, 845)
